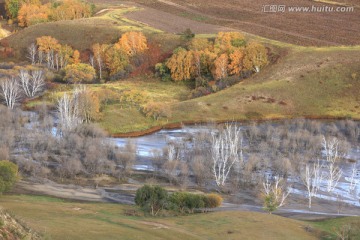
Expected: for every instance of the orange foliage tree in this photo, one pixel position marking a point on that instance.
(181, 65)
(76, 57)
(30, 14)
(133, 43)
(227, 41)
(236, 61)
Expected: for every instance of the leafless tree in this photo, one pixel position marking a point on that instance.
(226, 151)
(331, 151)
(126, 156)
(312, 178)
(10, 92)
(32, 51)
(343, 232)
(68, 112)
(276, 190)
(354, 181)
(40, 57)
(32, 83)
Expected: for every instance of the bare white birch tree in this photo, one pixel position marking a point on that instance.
(10, 92)
(40, 57)
(275, 193)
(32, 51)
(354, 180)
(226, 150)
(68, 112)
(32, 83)
(331, 151)
(312, 178)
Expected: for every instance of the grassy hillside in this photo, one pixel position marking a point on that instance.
(302, 82)
(307, 82)
(81, 34)
(57, 219)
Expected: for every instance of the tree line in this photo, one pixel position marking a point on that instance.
(31, 12)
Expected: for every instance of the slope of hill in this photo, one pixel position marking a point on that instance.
(58, 219)
(11, 229)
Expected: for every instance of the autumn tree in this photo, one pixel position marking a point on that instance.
(116, 60)
(47, 43)
(157, 110)
(199, 44)
(79, 73)
(12, 6)
(76, 57)
(236, 61)
(255, 57)
(88, 104)
(71, 9)
(30, 14)
(227, 41)
(133, 43)
(65, 55)
(99, 51)
(181, 65)
(221, 66)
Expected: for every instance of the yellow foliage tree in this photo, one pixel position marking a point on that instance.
(181, 65)
(99, 51)
(199, 44)
(255, 57)
(116, 60)
(71, 9)
(12, 7)
(47, 43)
(30, 14)
(79, 73)
(133, 43)
(227, 41)
(221, 66)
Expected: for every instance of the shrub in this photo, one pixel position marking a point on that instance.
(151, 198)
(157, 110)
(8, 175)
(194, 201)
(213, 200)
(186, 202)
(177, 202)
(80, 72)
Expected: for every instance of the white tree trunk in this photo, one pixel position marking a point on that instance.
(10, 92)
(226, 150)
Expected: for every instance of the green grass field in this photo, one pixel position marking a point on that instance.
(58, 219)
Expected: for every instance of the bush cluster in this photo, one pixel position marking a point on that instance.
(153, 199)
